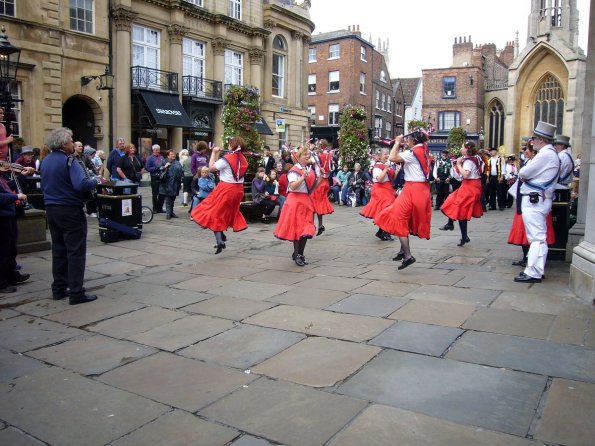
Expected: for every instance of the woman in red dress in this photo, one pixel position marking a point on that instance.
(383, 194)
(296, 223)
(465, 202)
(322, 205)
(411, 212)
(518, 234)
(221, 209)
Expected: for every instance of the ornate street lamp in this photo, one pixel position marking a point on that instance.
(106, 80)
(481, 137)
(9, 65)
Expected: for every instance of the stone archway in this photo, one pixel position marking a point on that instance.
(83, 116)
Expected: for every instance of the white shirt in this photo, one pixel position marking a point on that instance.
(511, 171)
(225, 172)
(413, 170)
(472, 168)
(566, 168)
(494, 162)
(294, 176)
(540, 171)
(377, 171)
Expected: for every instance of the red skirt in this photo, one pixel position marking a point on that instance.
(382, 196)
(410, 213)
(464, 202)
(518, 235)
(297, 219)
(221, 209)
(322, 205)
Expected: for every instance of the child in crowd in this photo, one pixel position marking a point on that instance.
(202, 185)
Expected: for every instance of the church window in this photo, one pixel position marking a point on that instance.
(549, 103)
(495, 137)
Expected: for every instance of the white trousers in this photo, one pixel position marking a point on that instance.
(534, 217)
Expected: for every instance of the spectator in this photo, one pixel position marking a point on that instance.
(357, 183)
(268, 160)
(340, 187)
(169, 187)
(4, 140)
(202, 185)
(153, 166)
(186, 162)
(129, 166)
(113, 160)
(283, 183)
(272, 187)
(261, 196)
(199, 157)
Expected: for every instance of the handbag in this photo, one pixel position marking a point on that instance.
(258, 198)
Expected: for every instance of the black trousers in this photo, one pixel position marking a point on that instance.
(8, 250)
(157, 199)
(68, 228)
(442, 191)
(496, 193)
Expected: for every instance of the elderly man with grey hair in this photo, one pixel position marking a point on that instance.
(63, 181)
(113, 160)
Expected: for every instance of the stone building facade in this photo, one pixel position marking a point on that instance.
(345, 69)
(171, 60)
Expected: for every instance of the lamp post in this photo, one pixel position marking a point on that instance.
(481, 137)
(9, 65)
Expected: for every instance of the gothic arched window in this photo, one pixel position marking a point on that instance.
(549, 103)
(496, 125)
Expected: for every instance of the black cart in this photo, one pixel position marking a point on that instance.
(119, 213)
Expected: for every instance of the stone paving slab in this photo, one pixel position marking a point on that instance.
(114, 267)
(334, 283)
(349, 327)
(569, 415)
(14, 437)
(165, 278)
(7, 313)
(136, 322)
(544, 303)
(432, 312)
(65, 409)
(182, 332)
(243, 346)
(24, 333)
(568, 330)
(499, 400)
(310, 298)
(202, 283)
(277, 277)
(92, 355)
(317, 362)
(43, 307)
(417, 338)
(490, 281)
(467, 296)
(14, 365)
(284, 412)
(178, 428)
(530, 355)
(516, 323)
(339, 270)
(368, 305)
(113, 251)
(382, 425)
(102, 308)
(177, 381)
(387, 289)
(234, 308)
(216, 268)
(248, 440)
(250, 290)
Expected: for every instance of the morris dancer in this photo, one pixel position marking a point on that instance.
(383, 194)
(297, 219)
(322, 205)
(465, 202)
(221, 209)
(411, 212)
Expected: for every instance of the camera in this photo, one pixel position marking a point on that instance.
(533, 197)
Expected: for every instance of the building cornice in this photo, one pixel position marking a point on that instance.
(292, 16)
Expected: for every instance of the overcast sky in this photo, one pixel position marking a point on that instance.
(421, 32)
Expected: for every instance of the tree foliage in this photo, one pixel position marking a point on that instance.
(415, 124)
(353, 136)
(456, 138)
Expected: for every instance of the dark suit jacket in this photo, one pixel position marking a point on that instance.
(270, 165)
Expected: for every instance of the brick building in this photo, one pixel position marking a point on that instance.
(345, 69)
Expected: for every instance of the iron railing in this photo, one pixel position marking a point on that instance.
(199, 87)
(153, 79)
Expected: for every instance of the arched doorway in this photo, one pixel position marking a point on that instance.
(78, 115)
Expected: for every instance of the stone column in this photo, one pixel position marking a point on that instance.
(296, 73)
(256, 59)
(219, 44)
(123, 18)
(582, 269)
(176, 34)
(305, 70)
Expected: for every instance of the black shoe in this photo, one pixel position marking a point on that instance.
(174, 216)
(463, 241)
(447, 227)
(82, 299)
(8, 289)
(223, 237)
(380, 234)
(298, 259)
(437, 208)
(522, 262)
(387, 237)
(399, 256)
(59, 295)
(501, 209)
(168, 217)
(406, 263)
(220, 247)
(320, 230)
(524, 278)
(492, 209)
(19, 278)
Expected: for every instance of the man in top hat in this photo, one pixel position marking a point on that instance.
(561, 144)
(441, 172)
(539, 179)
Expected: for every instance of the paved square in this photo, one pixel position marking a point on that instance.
(367, 305)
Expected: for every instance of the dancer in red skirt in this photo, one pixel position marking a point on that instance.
(221, 209)
(465, 202)
(518, 233)
(297, 219)
(322, 205)
(383, 194)
(411, 212)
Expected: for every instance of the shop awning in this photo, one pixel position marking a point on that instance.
(262, 127)
(166, 110)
